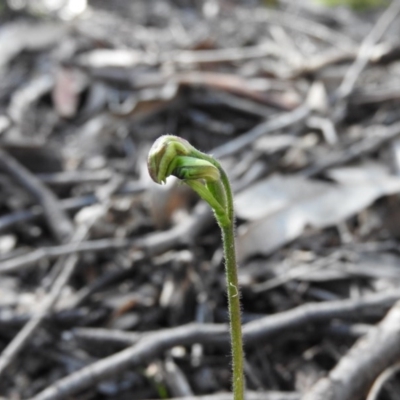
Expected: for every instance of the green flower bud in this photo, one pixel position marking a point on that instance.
(194, 168)
(163, 155)
(172, 155)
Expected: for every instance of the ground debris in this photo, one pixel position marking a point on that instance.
(112, 287)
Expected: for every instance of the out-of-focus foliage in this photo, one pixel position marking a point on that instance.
(355, 4)
(2, 6)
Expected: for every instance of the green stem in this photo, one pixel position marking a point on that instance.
(232, 284)
(226, 221)
(171, 155)
(227, 225)
(234, 313)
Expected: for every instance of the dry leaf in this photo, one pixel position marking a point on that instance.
(18, 36)
(281, 207)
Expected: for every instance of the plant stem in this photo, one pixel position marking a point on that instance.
(232, 284)
(227, 226)
(171, 155)
(234, 313)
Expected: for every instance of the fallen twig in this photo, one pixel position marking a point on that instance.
(10, 220)
(376, 137)
(153, 344)
(47, 253)
(64, 268)
(381, 380)
(356, 371)
(152, 244)
(364, 53)
(56, 218)
(280, 122)
(18, 342)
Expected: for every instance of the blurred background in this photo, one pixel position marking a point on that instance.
(299, 101)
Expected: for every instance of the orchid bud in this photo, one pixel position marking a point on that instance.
(195, 168)
(172, 155)
(163, 154)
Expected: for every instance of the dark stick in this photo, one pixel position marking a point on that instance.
(44, 253)
(378, 136)
(271, 125)
(363, 56)
(23, 336)
(57, 220)
(151, 244)
(154, 344)
(357, 370)
(75, 203)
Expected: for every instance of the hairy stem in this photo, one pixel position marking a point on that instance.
(234, 313)
(233, 291)
(171, 155)
(227, 225)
